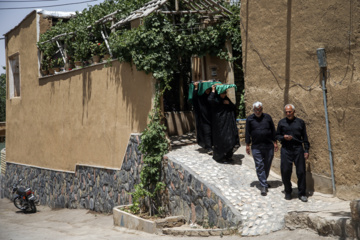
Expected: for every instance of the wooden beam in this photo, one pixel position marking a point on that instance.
(106, 42)
(63, 54)
(188, 12)
(219, 5)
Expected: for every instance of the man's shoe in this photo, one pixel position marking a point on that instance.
(264, 191)
(268, 185)
(288, 196)
(303, 198)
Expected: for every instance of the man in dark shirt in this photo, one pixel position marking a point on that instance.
(291, 132)
(260, 132)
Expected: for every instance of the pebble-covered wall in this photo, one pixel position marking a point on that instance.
(101, 189)
(93, 188)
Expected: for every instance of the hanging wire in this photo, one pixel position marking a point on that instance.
(30, 1)
(49, 6)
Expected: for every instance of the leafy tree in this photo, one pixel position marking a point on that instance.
(3, 97)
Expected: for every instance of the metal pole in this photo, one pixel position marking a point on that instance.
(328, 131)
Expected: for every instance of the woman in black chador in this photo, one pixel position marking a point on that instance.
(203, 116)
(224, 129)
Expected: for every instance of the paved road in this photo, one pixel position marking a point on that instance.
(81, 224)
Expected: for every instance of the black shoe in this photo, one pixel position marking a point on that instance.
(268, 185)
(303, 198)
(229, 159)
(264, 191)
(209, 151)
(288, 196)
(219, 160)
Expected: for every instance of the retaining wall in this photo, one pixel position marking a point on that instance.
(196, 201)
(101, 189)
(93, 188)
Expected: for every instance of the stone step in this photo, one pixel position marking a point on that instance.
(334, 220)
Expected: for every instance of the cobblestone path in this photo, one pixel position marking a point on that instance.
(237, 181)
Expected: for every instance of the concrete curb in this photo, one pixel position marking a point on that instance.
(127, 220)
(199, 232)
(174, 225)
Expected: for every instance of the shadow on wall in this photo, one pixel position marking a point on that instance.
(87, 89)
(179, 123)
(123, 77)
(138, 103)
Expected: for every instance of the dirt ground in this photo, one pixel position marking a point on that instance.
(82, 224)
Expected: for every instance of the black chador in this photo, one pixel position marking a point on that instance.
(203, 117)
(224, 129)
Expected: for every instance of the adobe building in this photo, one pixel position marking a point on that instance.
(280, 42)
(82, 116)
(86, 115)
(74, 136)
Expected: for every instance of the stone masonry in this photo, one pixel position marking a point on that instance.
(199, 202)
(203, 191)
(93, 188)
(101, 189)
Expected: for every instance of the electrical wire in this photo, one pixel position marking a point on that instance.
(58, 5)
(30, 1)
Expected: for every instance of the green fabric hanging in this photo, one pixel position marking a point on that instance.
(191, 91)
(201, 89)
(205, 85)
(222, 88)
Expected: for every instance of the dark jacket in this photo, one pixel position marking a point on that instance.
(260, 131)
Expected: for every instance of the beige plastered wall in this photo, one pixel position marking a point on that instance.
(80, 117)
(280, 39)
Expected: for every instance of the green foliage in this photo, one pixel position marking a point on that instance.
(98, 49)
(242, 105)
(77, 45)
(3, 97)
(153, 146)
(157, 45)
(59, 62)
(45, 63)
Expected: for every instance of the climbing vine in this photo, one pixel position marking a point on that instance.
(153, 146)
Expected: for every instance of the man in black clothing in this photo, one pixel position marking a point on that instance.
(203, 117)
(291, 132)
(260, 133)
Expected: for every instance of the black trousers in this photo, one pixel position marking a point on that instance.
(290, 155)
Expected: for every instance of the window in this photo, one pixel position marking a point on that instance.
(14, 76)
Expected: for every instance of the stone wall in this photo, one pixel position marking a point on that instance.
(355, 217)
(93, 188)
(101, 189)
(195, 200)
(241, 123)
